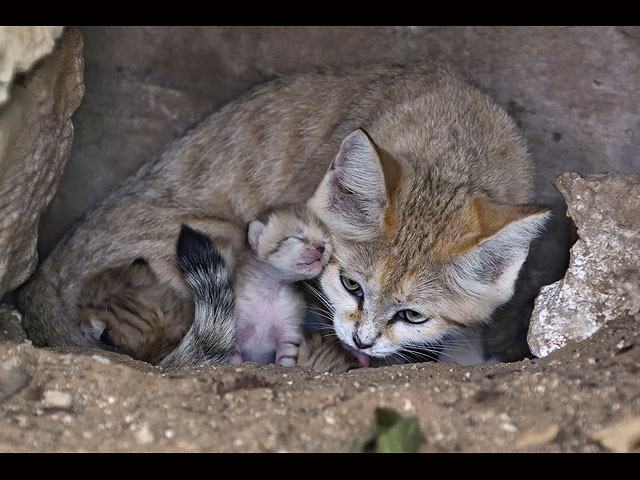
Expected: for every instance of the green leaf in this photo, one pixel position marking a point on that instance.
(395, 433)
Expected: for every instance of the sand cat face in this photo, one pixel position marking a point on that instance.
(292, 240)
(413, 262)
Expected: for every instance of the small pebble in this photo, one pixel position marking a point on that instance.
(144, 436)
(101, 359)
(56, 399)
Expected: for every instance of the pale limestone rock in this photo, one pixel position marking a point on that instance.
(10, 324)
(20, 48)
(35, 138)
(12, 379)
(603, 279)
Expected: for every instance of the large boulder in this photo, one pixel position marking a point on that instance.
(21, 48)
(603, 279)
(35, 138)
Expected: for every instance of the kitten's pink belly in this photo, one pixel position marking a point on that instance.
(260, 328)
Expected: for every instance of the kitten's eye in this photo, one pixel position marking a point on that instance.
(412, 316)
(352, 286)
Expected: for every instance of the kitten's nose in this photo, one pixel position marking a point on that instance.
(359, 343)
(320, 247)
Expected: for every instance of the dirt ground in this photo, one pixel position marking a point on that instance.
(94, 401)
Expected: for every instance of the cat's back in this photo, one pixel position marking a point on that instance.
(273, 145)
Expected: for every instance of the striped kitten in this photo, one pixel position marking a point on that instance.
(114, 307)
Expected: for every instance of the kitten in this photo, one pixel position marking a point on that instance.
(112, 308)
(287, 246)
(115, 305)
(421, 180)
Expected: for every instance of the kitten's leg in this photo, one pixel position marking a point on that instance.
(287, 351)
(236, 358)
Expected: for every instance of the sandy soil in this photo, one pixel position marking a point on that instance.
(86, 400)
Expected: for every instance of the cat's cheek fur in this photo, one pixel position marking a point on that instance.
(341, 301)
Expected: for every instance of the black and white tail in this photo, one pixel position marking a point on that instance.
(212, 334)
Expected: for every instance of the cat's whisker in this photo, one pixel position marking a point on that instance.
(429, 354)
(320, 312)
(404, 357)
(318, 294)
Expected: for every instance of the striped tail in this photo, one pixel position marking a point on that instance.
(212, 335)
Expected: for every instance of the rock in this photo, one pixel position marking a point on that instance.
(21, 48)
(57, 399)
(12, 379)
(11, 325)
(35, 138)
(603, 279)
(621, 437)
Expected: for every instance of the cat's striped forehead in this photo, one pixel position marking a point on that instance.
(391, 273)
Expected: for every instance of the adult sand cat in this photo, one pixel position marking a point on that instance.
(421, 179)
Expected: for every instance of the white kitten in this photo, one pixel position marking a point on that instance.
(288, 246)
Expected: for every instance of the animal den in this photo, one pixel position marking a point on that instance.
(561, 357)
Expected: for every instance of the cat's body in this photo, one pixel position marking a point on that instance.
(289, 246)
(416, 173)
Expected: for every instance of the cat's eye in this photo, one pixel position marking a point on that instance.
(412, 316)
(352, 286)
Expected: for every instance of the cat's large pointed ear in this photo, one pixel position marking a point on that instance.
(487, 258)
(351, 199)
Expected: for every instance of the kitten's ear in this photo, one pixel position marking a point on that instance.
(254, 232)
(92, 328)
(351, 199)
(488, 257)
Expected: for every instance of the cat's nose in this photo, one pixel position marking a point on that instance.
(358, 342)
(320, 247)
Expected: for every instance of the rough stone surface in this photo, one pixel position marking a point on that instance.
(35, 139)
(12, 379)
(72, 402)
(569, 88)
(603, 280)
(20, 48)
(10, 324)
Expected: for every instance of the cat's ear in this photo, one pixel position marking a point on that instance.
(254, 232)
(352, 198)
(488, 257)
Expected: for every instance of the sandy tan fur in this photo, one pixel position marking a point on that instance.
(115, 302)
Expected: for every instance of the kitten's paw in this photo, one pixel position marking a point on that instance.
(288, 361)
(236, 359)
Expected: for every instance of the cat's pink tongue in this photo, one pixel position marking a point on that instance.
(363, 358)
